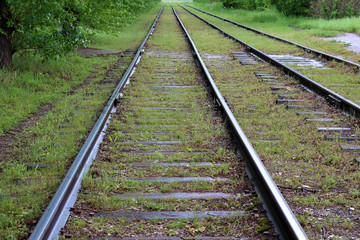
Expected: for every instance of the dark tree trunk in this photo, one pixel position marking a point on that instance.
(6, 51)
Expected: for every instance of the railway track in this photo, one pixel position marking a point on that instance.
(309, 147)
(303, 47)
(339, 87)
(168, 167)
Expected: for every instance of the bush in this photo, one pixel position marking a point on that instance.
(205, 1)
(319, 8)
(335, 8)
(247, 4)
(293, 7)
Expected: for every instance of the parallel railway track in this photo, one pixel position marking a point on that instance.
(309, 147)
(333, 97)
(168, 168)
(303, 47)
(162, 167)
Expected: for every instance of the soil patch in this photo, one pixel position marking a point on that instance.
(94, 51)
(351, 38)
(296, 29)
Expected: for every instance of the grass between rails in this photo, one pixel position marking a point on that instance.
(107, 176)
(318, 179)
(336, 76)
(309, 33)
(43, 152)
(194, 227)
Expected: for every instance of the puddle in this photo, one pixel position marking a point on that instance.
(351, 38)
(301, 62)
(296, 29)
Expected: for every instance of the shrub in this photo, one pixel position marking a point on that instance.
(319, 8)
(335, 8)
(293, 7)
(247, 4)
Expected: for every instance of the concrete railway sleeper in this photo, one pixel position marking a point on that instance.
(167, 167)
(310, 148)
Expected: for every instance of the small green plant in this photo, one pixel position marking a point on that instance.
(165, 188)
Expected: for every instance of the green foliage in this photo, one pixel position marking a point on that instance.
(54, 28)
(320, 8)
(247, 4)
(204, 1)
(293, 7)
(327, 9)
(335, 8)
(46, 27)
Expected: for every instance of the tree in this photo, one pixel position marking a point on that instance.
(55, 27)
(6, 32)
(35, 25)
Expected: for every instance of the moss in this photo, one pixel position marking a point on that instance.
(263, 225)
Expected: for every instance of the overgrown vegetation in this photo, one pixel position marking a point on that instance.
(320, 8)
(293, 7)
(334, 76)
(42, 82)
(303, 30)
(54, 28)
(247, 4)
(74, 86)
(327, 9)
(318, 180)
(166, 76)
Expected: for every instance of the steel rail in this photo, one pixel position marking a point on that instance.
(280, 213)
(331, 96)
(305, 48)
(45, 228)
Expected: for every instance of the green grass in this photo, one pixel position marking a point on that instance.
(340, 25)
(333, 78)
(273, 19)
(197, 129)
(272, 22)
(38, 83)
(125, 38)
(319, 174)
(34, 84)
(56, 137)
(54, 140)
